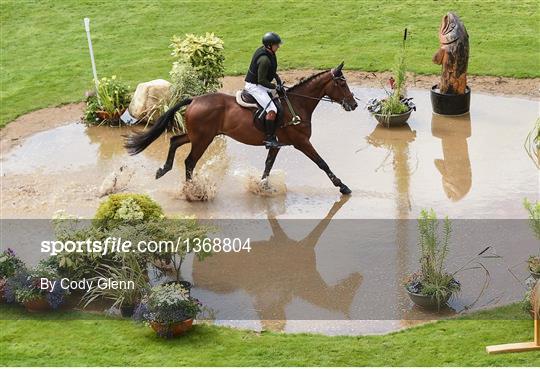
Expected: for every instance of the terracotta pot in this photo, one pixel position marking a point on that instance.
(393, 120)
(103, 115)
(172, 330)
(37, 305)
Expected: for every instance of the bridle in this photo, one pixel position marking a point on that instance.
(335, 79)
(296, 118)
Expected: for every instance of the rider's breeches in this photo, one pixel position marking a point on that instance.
(260, 93)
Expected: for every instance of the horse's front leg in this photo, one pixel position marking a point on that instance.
(307, 148)
(270, 159)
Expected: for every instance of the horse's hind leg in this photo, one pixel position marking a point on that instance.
(198, 147)
(176, 142)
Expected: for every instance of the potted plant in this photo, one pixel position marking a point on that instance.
(9, 265)
(26, 288)
(106, 105)
(432, 286)
(168, 309)
(534, 266)
(534, 222)
(395, 108)
(128, 269)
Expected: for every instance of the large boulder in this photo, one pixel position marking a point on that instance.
(146, 97)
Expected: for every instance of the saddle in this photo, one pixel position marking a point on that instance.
(245, 100)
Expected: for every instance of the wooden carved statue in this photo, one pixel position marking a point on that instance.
(453, 55)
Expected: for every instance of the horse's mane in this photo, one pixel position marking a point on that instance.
(306, 80)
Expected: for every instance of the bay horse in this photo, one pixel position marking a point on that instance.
(216, 113)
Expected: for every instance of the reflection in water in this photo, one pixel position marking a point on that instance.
(277, 271)
(107, 140)
(455, 168)
(396, 140)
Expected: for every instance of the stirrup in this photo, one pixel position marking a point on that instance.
(272, 143)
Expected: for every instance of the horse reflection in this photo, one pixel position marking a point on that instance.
(455, 168)
(276, 271)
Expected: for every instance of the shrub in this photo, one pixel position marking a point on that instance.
(128, 217)
(127, 268)
(110, 101)
(185, 83)
(9, 263)
(532, 289)
(534, 216)
(125, 207)
(204, 54)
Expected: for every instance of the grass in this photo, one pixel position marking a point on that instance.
(44, 58)
(81, 339)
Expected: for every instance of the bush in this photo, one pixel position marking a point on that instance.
(185, 81)
(204, 54)
(125, 207)
(109, 103)
(129, 217)
(9, 263)
(127, 268)
(534, 216)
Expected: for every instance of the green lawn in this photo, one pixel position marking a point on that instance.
(53, 340)
(44, 58)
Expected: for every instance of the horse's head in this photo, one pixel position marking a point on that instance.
(338, 90)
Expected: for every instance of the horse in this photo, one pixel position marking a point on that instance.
(209, 115)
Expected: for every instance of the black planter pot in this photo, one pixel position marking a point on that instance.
(393, 120)
(425, 301)
(450, 104)
(127, 311)
(534, 274)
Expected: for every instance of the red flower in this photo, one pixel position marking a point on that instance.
(392, 82)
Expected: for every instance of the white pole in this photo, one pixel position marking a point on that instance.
(87, 27)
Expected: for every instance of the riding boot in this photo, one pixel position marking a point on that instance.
(270, 130)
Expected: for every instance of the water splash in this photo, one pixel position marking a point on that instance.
(274, 185)
(213, 167)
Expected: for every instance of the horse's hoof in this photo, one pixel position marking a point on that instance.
(160, 172)
(345, 190)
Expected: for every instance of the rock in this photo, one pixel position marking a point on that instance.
(147, 96)
(116, 181)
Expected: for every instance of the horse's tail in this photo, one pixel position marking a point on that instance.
(140, 141)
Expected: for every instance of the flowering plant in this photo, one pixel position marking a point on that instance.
(110, 101)
(167, 304)
(25, 285)
(9, 263)
(396, 101)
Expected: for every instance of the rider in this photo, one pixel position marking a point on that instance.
(262, 71)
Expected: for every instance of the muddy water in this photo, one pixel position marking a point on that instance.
(468, 167)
